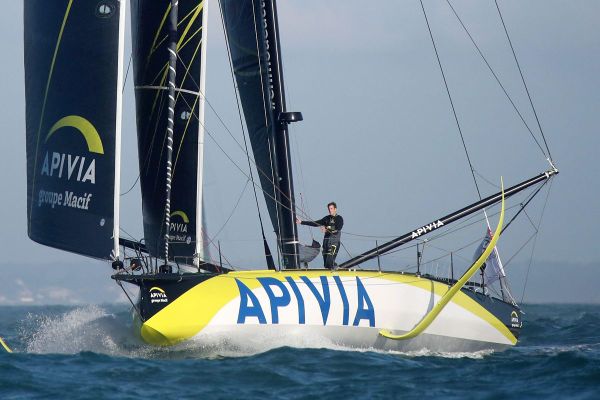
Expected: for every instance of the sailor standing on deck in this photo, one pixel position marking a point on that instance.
(331, 225)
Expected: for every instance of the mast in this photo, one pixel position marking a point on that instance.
(199, 253)
(463, 212)
(171, 118)
(118, 124)
(286, 208)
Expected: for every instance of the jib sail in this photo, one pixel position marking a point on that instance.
(73, 86)
(151, 38)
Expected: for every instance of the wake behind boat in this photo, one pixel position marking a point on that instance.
(73, 158)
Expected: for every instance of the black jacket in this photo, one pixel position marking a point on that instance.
(333, 225)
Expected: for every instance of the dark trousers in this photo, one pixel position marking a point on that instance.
(331, 246)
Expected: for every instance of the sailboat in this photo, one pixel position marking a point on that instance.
(74, 64)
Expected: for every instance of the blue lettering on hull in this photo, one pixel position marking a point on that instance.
(251, 308)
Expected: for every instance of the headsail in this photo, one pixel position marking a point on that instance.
(493, 266)
(150, 30)
(493, 269)
(73, 86)
(252, 36)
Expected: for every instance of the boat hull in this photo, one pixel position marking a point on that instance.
(319, 308)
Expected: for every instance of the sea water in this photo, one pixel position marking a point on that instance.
(90, 352)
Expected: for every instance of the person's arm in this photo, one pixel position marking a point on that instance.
(320, 222)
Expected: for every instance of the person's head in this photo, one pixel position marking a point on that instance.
(332, 207)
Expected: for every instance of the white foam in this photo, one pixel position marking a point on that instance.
(225, 344)
(94, 329)
(88, 328)
(477, 355)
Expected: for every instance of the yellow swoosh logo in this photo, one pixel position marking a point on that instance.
(182, 215)
(85, 127)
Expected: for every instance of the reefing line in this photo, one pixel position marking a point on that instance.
(437, 309)
(3, 343)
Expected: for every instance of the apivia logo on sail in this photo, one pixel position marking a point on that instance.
(178, 228)
(70, 168)
(158, 295)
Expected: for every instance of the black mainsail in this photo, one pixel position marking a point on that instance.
(73, 80)
(253, 40)
(152, 37)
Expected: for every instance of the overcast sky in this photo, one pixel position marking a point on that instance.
(379, 136)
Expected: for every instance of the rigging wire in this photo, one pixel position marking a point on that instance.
(232, 211)
(450, 98)
(497, 79)
(126, 73)
(523, 205)
(506, 263)
(129, 234)
(535, 242)
(247, 152)
(132, 186)
(123, 91)
(462, 226)
(523, 80)
(459, 226)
